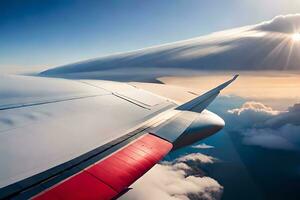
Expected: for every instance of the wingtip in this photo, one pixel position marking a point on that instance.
(233, 79)
(235, 76)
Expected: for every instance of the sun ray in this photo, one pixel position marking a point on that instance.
(279, 48)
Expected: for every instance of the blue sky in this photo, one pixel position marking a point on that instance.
(40, 34)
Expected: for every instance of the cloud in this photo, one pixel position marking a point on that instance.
(249, 114)
(295, 108)
(264, 46)
(255, 107)
(286, 137)
(282, 24)
(197, 157)
(292, 116)
(262, 126)
(203, 146)
(175, 181)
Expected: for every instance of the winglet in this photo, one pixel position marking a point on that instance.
(224, 85)
(201, 102)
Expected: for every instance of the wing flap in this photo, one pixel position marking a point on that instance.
(113, 175)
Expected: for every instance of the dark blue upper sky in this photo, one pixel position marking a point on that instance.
(37, 34)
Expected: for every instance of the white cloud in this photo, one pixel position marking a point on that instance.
(256, 107)
(203, 146)
(251, 113)
(282, 24)
(264, 46)
(197, 157)
(262, 126)
(172, 181)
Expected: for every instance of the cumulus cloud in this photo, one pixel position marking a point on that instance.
(197, 157)
(292, 116)
(262, 126)
(175, 181)
(251, 113)
(256, 107)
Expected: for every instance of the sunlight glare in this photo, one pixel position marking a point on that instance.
(296, 37)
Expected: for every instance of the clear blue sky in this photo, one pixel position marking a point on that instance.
(37, 34)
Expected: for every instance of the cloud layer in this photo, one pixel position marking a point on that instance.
(176, 181)
(265, 46)
(286, 137)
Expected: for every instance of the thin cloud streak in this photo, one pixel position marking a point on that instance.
(265, 46)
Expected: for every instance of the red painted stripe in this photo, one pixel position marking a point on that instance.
(114, 174)
(81, 186)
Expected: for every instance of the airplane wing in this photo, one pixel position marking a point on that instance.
(89, 139)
